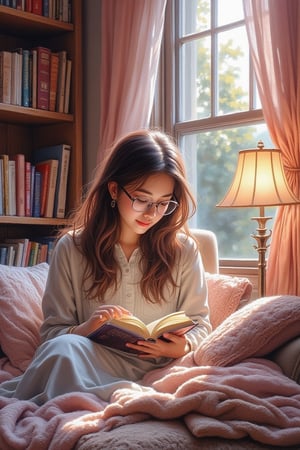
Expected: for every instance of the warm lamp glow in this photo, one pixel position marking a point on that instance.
(259, 180)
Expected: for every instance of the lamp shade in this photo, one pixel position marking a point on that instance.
(259, 180)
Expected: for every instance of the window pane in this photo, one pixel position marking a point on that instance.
(211, 159)
(233, 71)
(195, 98)
(194, 16)
(229, 11)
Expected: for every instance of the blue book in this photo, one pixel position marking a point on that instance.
(36, 205)
(25, 78)
(61, 152)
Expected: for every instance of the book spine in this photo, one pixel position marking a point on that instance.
(67, 86)
(62, 184)
(54, 61)
(44, 170)
(27, 189)
(16, 77)
(51, 188)
(25, 79)
(11, 187)
(4, 157)
(20, 184)
(61, 81)
(5, 77)
(36, 207)
(28, 5)
(43, 77)
(37, 7)
(34, 79)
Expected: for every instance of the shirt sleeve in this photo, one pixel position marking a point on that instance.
(59, 303)
(193, 292)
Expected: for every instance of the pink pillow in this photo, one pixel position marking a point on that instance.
(253, 331)
(225, 294)
(21, 291)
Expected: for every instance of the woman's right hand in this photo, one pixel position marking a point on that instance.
(99, 316)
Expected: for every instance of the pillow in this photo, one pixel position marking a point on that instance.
(21, 291)
(225, 295)
(253, 331)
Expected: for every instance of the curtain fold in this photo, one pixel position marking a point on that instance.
(274, 39)
(131, 33)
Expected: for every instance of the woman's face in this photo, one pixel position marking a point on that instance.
(156, 188)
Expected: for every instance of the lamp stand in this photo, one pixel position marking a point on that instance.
(261, 238)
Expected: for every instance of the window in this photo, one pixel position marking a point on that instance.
(217, 113)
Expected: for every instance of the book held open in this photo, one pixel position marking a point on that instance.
(116, 333)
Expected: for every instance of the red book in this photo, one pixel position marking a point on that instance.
(20, 184)
(49, 170)
(27, 189)
(43, 77)
(44, 169)
(53, 80)
(37, 7)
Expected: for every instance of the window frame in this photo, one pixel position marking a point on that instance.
(165, 113)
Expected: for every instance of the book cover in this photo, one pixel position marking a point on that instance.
(20, 184)
(27, 189)
(61, 84)
(49, 170)
(34, 78)
(37, 7)
(16, 77)
(116, 333)
(54, 60)
(67, 87)
(36, 197)
(5, 159)
(62, 153)
(43, 77)
(12, 207)
(25, 78)
(5, 77)
(44, 170)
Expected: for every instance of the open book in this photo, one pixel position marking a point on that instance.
(117, 332)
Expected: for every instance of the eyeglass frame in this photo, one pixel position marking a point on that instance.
(150, 205)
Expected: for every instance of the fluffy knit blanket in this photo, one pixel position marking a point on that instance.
(225, 388)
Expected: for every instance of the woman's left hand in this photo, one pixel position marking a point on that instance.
(174, 347)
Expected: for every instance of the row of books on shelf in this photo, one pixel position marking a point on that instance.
(24, 252)
(36, 188)
(54, 9)
(36, 78)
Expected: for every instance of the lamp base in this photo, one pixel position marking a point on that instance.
(261, 238)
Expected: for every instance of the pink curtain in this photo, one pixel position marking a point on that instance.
(274, 38)
(131, 33)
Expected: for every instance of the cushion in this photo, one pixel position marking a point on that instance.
(253, 331)
(225, 295)
(21, 291)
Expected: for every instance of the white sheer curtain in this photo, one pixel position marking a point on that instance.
(274, 38)
(131, 33)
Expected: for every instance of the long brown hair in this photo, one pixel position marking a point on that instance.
(134, 158)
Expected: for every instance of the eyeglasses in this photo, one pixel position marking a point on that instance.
(163, 208)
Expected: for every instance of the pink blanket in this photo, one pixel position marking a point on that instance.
(249, 397)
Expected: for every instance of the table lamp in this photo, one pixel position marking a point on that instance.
(259, 181)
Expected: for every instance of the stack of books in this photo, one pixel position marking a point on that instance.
(36, 78)
(36, 188)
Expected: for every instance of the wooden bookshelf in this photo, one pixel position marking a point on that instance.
(23, 129)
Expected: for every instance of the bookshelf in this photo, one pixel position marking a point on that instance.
(23, 129)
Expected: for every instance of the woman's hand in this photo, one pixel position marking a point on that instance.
(174, 347)
(99, 316)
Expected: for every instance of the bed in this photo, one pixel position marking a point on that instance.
(239, 390)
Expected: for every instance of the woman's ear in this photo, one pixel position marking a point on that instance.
(113, 189)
